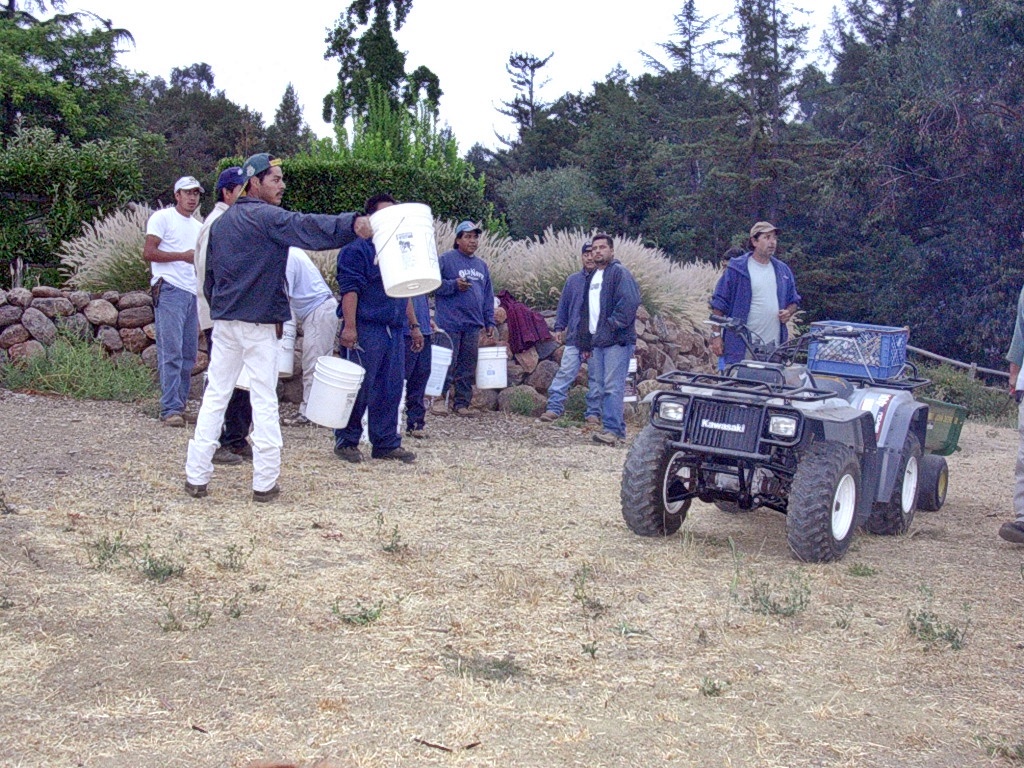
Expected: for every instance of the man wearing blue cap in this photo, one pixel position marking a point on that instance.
(245, 285)
(464, 303)
(567, 325)
(234, 446)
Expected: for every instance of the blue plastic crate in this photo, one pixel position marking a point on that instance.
(880, 352)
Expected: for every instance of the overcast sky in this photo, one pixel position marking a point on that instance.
(465, 42)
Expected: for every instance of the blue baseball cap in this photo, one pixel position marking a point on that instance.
(467, 226)
(587, 246)
(229, 177)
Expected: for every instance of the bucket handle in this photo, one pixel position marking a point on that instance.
(444, 333)
(376, 256)
(348, 354)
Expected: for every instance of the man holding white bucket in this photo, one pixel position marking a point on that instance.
(464, 303)
(372, 335)
(245, 285)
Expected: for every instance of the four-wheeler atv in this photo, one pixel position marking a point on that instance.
(831, 452)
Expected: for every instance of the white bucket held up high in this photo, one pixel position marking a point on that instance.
(491, 368)
(286, 350)
(406, 250)
(335, 386)
(440, 359)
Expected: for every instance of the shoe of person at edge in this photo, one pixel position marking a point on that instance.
(607, 438)
(349, 453)
(245, 450)
(548, 416)
(592, 421)
(173, 420)
(1012, 531)
(195, 491)
(439, 408)
(298, 420)
(464, 411)
(264, 496)
(397, 454)
(225, 455)
(418, 432)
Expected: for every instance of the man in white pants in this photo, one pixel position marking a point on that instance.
(315, 307)
(245, 285)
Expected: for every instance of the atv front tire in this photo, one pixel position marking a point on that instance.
(650, 486)
(823, 502)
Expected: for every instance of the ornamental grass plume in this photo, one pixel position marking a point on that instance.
(107, 256)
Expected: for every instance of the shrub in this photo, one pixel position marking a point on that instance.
(556, 198)
(107, 256)
(81, 369)
(956, 386)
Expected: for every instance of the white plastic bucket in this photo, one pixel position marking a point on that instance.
(440, 359)
(286, 350)
(491, 368)
(629, 393)
(365, 437)
(406, 250)
(335, 386)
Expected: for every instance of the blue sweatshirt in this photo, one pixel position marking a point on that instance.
(358, 274)
(568, 316)
(459, 311)
(248, 255)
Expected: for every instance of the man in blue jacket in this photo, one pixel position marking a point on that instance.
(758, 290)
(245, 286)
(463, 304)
(567, 325)
(607, 336)
(372, 335)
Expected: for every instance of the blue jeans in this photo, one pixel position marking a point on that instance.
(559, 389)
(462, 371)
(606, 379)
(417, 373)
(177, 342)
(381, 391)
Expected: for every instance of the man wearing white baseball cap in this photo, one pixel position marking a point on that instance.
(170, 245)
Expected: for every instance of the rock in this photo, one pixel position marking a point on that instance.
(54, 307)
(14, 334)
(541, 378)
(484, 399)
(39, 325)
(500, 315)
(134, 339)
(76, 325)
(25, 350)
(202, 363)
(522, 398)
(503, 334)
(3, 297)
(651, 338)
(644, 388)
(150, 331)
(134, 299)
(528, 359)
(109, 338)
(290, 390)
(516, 374)
(80, 299)
(100, 312)
(640, 327)
(135, 317)
(196, 385)
(642, 313)
(556, 356)
(640, 346)
(581, 377)
(546, 348)
(20, 297)
(10, 314)
(149, 356)
(112, 296)
(45, 292)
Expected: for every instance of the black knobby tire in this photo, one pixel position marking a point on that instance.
(644, 486)
(932, 482)
(823, 502)
(895, 516)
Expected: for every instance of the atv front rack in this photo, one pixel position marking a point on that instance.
(749, 387)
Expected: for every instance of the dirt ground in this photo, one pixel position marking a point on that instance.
(486, 606)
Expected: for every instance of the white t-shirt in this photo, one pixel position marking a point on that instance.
(595, 299)
(177, 234)
(763, 319)
(307, 289)
(199, 262)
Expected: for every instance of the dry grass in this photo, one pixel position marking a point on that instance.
(521, 616)
(107, 256)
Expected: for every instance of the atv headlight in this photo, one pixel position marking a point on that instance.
(669, 410)
(782, 426)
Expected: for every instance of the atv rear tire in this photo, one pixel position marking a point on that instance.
(823, 502)
(647, 486)
(932, 482)
(895, 516)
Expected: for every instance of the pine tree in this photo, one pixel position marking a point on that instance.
(289, 134)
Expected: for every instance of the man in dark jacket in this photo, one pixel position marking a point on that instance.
(567, 326)
(245, 285)
(758, 290)
(372, 336)
(607, 336)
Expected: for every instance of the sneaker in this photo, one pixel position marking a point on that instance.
(606, 438)
(244, 450)
(418, 432)
(173, 420)
(226, 456)
(397, 454)
(195, 491)
(1012, 531)
(189, 417)
(349, 453)
(296, 421)
(593, 421)
(439, 408)
(463, 411)
(548, 416)
(270, 495)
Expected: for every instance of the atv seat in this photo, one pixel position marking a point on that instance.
(749, 370)
(840, 386)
